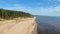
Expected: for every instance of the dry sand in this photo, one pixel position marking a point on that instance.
(24, 26)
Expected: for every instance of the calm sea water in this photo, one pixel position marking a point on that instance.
(48, 25)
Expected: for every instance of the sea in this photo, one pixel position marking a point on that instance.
(48, 24)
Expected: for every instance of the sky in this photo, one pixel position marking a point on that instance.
(35, 7)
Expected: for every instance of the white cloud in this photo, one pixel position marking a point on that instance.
(19, 7)
(39, 10)
(50, 9)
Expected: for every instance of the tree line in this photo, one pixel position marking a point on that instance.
(9, 14)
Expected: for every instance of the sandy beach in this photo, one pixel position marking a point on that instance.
(17, 26)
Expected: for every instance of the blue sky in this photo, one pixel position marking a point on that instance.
(36, 7)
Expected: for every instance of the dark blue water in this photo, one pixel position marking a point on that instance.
(48, 25)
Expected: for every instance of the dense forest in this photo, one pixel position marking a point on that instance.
(9, 14)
